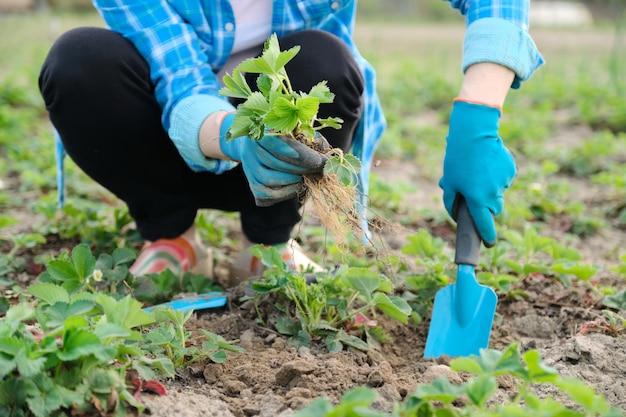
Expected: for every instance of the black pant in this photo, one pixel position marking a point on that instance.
(100, 98)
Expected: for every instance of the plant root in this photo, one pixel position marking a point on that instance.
(336, 205)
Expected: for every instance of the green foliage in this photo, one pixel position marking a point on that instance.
(276, 109)
(80, 349)
(64, 360)
(81, 271)
(321, 310)
(171, 340)
(431, 255)
(344, 168)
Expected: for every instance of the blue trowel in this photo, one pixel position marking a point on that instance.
(463, 312)
(195, 302)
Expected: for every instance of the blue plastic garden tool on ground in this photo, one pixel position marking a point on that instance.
(463, 312)
(195, 302)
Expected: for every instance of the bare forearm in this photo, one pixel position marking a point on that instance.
(486, 83)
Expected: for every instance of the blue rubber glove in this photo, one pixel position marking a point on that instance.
(273, 165)
(476, 165)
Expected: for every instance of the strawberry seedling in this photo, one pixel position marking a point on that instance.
(276, 109)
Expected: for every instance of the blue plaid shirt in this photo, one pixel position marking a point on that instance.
(186, 42)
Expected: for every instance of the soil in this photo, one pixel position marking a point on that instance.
(273, 379)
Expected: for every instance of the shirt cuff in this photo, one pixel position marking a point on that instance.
(186, 119)
(501, 42)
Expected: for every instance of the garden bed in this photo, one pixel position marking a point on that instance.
(557, 263)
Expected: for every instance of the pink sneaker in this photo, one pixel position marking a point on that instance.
(246, 266)
(178, 255)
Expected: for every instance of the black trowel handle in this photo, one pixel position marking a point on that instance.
(467, 238)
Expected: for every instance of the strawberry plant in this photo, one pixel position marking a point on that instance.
(336, 308)
(71, 349)
(276, 109)
(109, 272)
(172, 340)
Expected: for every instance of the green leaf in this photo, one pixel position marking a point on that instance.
(6, 221)
(162, 364)
(256, 103)
(7, 365)
(126, 312)
(480, 389)
(283, 117)
(352, 341)
(532, 401)
(285, 56)
(440, 390)
(582, 271)
(83, 260)
(50, 293)
(265, 84)
(616, 301)
(363, 280)
(342, 167)
(319, 408)
(269, 256)
(361, 396)
(243, 124)
(307, 130)
(11, 346)
(103, 381)
(78, 343)
(539, 372)
(28, 364)
(332, 122)
(332, 344)
(110, 331)
(583, 394)
(104, 262)
(386, 285)
(218, 356)
(60, 311)
(285, 325)
(322, 93)
(306, 108)
(235, 85)
(62, 270)
(271, 51)
(44, 404)
(425, 245)
(466, 364)
(394, 307)
(123, 255)
(258, 65)
(353, 162)
(223, 344)
(17, 313)
(491, 361)
(179, 318)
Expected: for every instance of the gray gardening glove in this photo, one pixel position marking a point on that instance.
(274, 165)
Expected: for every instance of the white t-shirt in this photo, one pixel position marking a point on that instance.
(253, 20)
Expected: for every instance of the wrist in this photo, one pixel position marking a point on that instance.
(472, 122)
(486, 83)
(211, 133)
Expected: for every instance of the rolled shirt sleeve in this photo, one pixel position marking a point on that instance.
(497, 31)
